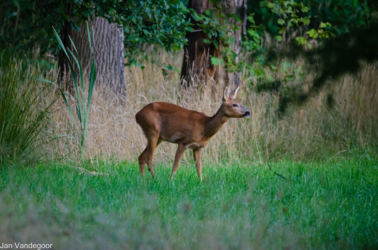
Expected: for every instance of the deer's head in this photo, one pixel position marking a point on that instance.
(231, 107)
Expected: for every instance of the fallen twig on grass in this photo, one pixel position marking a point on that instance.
(270, 168)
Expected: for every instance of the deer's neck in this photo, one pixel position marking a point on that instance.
(215, 123)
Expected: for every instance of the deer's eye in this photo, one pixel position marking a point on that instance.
(235, 105)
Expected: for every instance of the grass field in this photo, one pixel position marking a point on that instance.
(239, 205)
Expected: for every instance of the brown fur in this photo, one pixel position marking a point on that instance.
(162, 121)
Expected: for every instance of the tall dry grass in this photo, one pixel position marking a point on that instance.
(312, 131)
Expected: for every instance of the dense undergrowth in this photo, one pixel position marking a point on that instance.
(239, 205)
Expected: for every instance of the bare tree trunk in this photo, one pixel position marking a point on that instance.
(238, 7)
(197, 67)
(109, 53)
(64, 36)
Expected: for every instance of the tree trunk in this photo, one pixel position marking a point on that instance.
(238, 7)
(64, 36)
(197, 67)
(109, 53)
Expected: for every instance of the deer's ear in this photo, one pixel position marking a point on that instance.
(226, 94)
(234, 93)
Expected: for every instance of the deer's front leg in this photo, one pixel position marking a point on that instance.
(197, 153)
(180, 150)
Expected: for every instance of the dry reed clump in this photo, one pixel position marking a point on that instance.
(311, 131)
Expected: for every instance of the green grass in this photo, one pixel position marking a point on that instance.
(331, 205)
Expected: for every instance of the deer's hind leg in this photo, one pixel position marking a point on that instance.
(147, 155)
(142, 162)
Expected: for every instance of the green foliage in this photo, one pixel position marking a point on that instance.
(215, 23)
(253, 39)
(337, 56)
(24, 110)
(326, 205)
(343, 14)
(290, 16)
(28, 24)
(314, 34)
(216, 61)
(332, 58)
(152, 22)
(343, 54)
(21, 29)
(290, 13)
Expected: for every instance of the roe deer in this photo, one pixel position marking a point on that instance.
(162, 121)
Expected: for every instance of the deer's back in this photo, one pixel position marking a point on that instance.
(172, 122)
